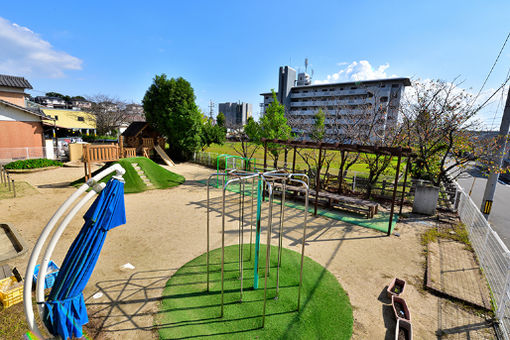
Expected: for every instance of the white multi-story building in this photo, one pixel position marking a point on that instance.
(371, 105)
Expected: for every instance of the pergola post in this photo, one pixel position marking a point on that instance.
(395, 190)
(294, 161)
(341, 171)
(317, 182)
(404, 186)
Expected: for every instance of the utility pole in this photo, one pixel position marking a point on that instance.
(490, 187)
(211, 109)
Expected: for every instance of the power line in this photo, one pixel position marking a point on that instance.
(493, 65)
(492, 95)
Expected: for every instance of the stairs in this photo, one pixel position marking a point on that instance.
(140, 173)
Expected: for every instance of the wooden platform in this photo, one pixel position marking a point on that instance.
(357, 205)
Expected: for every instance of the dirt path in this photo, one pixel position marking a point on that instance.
(166, 229)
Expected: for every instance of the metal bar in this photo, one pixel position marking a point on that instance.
(223, 249)
(251, 214)
(268, 254)
(257, 236)
(404, 186)
(280, 238)
(394, 193)
(242, 237)
(9, 181)
(303, 250)
(265, 155)
(208, 221)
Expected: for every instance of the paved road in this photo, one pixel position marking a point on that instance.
(500, 214)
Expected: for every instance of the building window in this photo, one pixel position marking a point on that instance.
(384, 99)
(353, 88)
(382, 85)
(81, 119)
(395, 86)
(56, 117)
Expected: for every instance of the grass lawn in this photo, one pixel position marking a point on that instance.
(360, 167)
(159, 176)
(188, 311)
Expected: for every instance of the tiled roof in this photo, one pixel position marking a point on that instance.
(33, 111)
(13, 81)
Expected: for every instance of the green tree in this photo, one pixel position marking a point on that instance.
(319, 128)
(220, 119)
(169, 105)
(247, 138)
(273, 125)
(212, 133)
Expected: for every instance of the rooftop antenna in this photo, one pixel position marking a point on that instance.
(306, 65)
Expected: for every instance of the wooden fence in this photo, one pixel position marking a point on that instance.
(99, 153)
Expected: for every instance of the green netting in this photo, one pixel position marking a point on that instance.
(378, 222)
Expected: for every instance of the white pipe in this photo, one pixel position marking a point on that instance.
(27, 289)
(43, 269)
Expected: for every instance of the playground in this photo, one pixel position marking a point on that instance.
(165, 235)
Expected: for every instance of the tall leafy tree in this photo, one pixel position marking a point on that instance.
(169, 105)
(273, 125)
(318, 128)
(220, 119)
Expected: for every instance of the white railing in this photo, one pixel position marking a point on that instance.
(13, 154)
(492, 253)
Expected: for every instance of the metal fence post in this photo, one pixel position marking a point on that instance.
(28, 155)
(9, 181)
(354, 182)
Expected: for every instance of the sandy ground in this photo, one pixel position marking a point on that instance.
(166, 228)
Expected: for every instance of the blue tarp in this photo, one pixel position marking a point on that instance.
(65, 311)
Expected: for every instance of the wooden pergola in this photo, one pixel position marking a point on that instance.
(371, 149)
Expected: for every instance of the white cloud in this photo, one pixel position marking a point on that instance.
(24, 53)
(356, 71)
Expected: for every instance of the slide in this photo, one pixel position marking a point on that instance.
(163, 155)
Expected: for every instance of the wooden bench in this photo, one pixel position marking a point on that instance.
(357, 205)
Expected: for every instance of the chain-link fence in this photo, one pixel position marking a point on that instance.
(492, 254)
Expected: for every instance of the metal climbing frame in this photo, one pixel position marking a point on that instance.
(245, 164)
(262, 180)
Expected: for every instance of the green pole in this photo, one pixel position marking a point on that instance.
(257, 236)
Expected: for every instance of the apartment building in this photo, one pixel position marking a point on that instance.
(371, 106)
(236, 114)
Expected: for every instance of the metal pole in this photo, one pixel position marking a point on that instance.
(1, 174)
(9, 181)
(207, 254)
(257, 236)
(251, 214)
(490, 187)
(280, 238)
(13, 188)
(268, 254)
(404, 185)
(341, 171)
(265, 155)
(242, 237)
(302, 251)
(394, 191)
(222, 250)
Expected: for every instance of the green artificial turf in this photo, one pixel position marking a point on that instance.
(189, 311)
(159, 176)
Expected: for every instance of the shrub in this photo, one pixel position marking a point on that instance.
(32, 164)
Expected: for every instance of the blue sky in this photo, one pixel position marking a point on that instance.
(231, 51)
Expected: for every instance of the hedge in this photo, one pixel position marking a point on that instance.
(32, 164)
